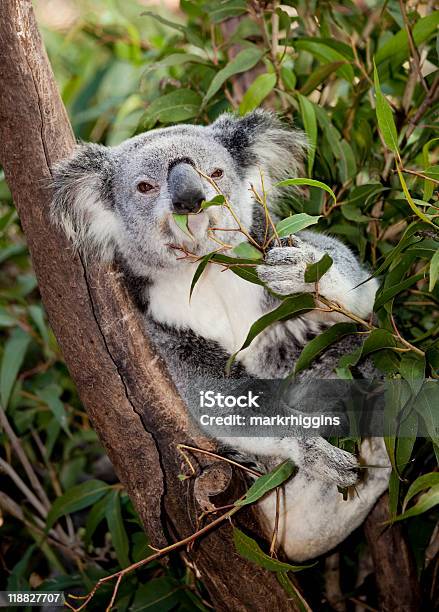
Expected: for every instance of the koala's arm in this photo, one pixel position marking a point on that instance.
(284, 269)
(314, 455)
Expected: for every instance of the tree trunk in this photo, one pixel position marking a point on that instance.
(125, 388)
(395, 572)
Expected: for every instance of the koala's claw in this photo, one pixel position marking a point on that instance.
(284, 268)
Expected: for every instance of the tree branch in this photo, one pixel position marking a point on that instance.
(395, 572)
(125, 388)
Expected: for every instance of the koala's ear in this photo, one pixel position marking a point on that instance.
(82, 202)
(261, 138)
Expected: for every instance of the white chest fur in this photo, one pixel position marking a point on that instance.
(222, 308)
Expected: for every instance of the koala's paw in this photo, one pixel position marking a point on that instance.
(331, 463)
(284, 268)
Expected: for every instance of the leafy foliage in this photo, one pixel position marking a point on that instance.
(346, 74)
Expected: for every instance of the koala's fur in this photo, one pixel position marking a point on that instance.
(97, 202)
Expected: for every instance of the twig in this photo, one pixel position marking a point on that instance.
(229, 207)
(16, 445)
(32, 498)
(215, 456)
(420, 175)
(428, 102)
(413, 49)
(276, 524)
(160, 553)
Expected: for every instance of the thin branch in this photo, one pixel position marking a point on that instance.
(16, 445)
(157, 555)
(9, 471)
(215, 456)
(413, 50)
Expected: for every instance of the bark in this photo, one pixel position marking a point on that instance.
(395, 571)
(125, 388)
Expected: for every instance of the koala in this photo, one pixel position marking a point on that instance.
(117, 204)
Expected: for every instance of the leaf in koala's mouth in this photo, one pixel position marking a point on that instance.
(218, 200)
(182, 223)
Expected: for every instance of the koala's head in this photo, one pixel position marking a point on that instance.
(121, 200)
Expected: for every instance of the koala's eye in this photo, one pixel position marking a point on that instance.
(144, 187)
(216, 174)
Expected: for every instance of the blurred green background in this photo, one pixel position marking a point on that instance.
(121, 72)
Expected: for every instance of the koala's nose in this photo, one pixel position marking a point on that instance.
(185, 188)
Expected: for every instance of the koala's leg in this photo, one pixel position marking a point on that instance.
(312, 455)
(314, 517)
(284, 272)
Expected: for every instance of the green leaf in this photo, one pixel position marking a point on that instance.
(426, 481)
(432, 172)
(327, 54)
(17, 576)
(191, 36)
(412, 368)
(292, 592)
(158, 595)
(257, 92)
(94, 517)
(182, 223)
(7, 320)
(288, 78)
(398, 45)
(434, 271)
(247, 251)
(175, 59)
(384, 114)
(378, 339)
(384, 296)
(266, 483)
(225, 9)
(113, 514)
(315, 271)
(245, 60)
(426, 405)
(425, 502)
(179, 105)
(290, 307)
(428, 185)
(407, 239)
(37, 314)
(295, 223)
(50, 395)
(218, 200)
(13, 357)
(78, 497)
(309, 182)
(410, 200)
(199, 271)
(250, 550)
(310, 123)
(318, 344)
(318, 76)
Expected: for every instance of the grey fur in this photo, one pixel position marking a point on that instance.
(97, 201)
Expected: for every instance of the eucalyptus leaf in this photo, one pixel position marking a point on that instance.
(295, 223)
(315, 271)
(250, 550)
(290, 307)
(78, 497)
(13, 357)
(318, 344)
(245, 60)
(257, 92)
(267, 483)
